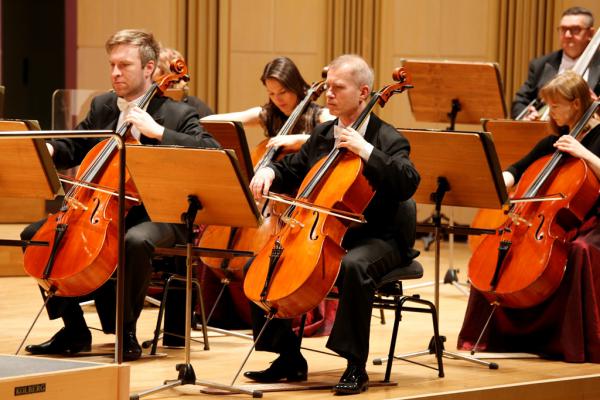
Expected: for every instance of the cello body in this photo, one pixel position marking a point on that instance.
(309, 245)
(535, 237)
(254, 239)
(87, 253)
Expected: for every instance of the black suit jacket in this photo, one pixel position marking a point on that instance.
(181, 122)
(541, 71)
(389, 171)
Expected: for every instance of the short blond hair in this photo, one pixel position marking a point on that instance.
(145, 42)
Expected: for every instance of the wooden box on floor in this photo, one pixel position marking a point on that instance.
(50, 379)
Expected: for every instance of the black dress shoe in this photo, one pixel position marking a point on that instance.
(64, 342)
(131, 348)
(354, 380)
(293, 369)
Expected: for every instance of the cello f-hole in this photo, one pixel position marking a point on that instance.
(539, 235)
(313, 235)
(93, 218)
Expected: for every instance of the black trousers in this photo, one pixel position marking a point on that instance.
(366, 262)
(141, 238)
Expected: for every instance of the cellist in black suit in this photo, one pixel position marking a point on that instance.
(374, 248)
(132, 56)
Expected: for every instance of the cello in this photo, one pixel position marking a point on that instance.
(83, 249)
(254, 238)
(296, 269)
(557, 191)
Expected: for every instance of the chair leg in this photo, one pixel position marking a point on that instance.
(196, 283)
(438, 346)
(159, 319)
(390, 360)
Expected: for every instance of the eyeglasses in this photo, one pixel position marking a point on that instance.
(575, 30)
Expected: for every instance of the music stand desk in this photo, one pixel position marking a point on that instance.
(459, 91)
(231, 135)
(514, 139)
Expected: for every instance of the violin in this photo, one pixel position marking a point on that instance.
(525, 263)
(253, 239)
(296, 269)
(83, 234)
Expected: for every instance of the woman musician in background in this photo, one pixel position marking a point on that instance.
(286, 88)
(566, 325)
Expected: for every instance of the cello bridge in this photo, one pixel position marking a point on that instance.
(76, 204)
(517, 219)
(293, 223)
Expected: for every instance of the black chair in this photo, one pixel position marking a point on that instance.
(172, 298)
(389, 296)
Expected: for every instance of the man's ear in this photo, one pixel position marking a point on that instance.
(149, 68)
(364, 92)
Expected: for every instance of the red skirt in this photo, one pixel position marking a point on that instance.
(566, 326)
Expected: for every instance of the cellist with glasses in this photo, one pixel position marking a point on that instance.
(575, 32)
(132, 58)
(373, 248)
(565, 325)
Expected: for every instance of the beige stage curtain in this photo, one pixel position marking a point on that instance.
(201, 48)
(527, 30)
(353, 29)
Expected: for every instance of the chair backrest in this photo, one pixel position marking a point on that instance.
(406, 218)
(69, 107)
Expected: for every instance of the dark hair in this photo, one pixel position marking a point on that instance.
(287, 74)
(580, 11)
(147, 45)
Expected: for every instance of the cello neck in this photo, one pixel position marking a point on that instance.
(583, 62)
(312, 94)
(547, 171)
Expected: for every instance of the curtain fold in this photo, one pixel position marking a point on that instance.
(201, 22)
(526, 32)
(353, 28)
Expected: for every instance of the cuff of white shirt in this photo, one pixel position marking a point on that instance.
(366, 151)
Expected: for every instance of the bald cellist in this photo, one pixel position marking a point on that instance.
(374, 248)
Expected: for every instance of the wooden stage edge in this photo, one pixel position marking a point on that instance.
(569, 388)
(24, 377)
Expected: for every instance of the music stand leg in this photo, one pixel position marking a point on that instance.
(438, 196)
(187, 376)
(48, 296)
(225, 282)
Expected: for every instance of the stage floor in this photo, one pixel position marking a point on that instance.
(528, 378)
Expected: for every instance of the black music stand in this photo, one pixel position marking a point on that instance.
(457, 169)
(442, 95)
(207, 185)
